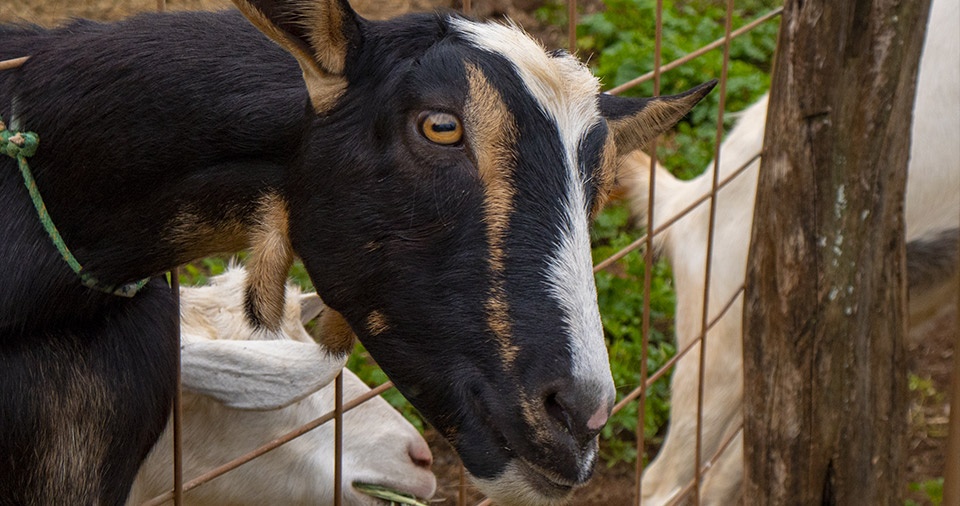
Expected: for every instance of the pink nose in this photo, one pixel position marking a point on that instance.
(420, 454)
(598, 419)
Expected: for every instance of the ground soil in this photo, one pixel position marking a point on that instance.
(930, 349)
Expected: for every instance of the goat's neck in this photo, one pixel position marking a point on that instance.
(139, 232)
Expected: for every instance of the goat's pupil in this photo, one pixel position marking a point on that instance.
(441, 128)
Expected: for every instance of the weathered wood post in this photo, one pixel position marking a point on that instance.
(825, 382)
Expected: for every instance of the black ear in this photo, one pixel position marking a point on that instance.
(636, 121)
(317, 33)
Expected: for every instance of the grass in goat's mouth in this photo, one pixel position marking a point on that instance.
(394, 497)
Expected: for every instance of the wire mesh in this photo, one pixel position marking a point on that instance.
(646, 241)
(636, 395)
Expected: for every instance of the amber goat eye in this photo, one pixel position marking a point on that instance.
(441, 128)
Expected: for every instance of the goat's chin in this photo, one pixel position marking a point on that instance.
(524, 484)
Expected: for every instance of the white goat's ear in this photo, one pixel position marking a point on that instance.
(310, 307)
(317, 33)
(637, 121)
(257, 375)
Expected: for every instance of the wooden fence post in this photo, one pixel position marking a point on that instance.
(825, 381)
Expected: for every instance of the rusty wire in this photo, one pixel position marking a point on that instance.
(699, 52)
(338, 440)
(682, 494)
(648, 264)
(646, 239)
(634, 394)
(272, 445)
(177, 399)
(951, 471)
(728, 28)
(626, 250)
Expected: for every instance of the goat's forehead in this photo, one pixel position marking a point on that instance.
(561, 84)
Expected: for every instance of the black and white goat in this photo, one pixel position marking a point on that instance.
(435, 174)
(932, 214)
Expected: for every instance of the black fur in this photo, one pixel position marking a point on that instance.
(64, 442)
(932, 261)
(158, 136)
(137, 121)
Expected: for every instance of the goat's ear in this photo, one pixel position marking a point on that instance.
(637, 121)
(310, 307)
(317, 33)
(334, 333)
(257, 375)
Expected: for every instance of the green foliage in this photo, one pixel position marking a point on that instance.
(619, 45)
(932, 489)
(199, 272)
(923, 388)
(620, 295)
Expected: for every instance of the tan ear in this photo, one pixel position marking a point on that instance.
(317, 33)
(635, 122)
(334, 333)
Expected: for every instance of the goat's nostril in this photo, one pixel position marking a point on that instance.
(558, 412)
(578, 415)
(420, 454)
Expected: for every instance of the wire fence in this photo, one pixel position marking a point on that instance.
(646, 243)
(647, 379)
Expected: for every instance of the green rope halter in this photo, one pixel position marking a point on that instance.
(20, 146)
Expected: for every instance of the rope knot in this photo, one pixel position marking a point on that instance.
(17, 144)
(20, 146)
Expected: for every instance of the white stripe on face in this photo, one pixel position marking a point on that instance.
(566, 92)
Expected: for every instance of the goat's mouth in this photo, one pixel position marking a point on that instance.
(546, 482)
(525, 483)
(389, 495)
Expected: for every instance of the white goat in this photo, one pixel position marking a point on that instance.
(932, 221)
(241, 391)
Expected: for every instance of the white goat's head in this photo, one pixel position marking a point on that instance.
(242, 391)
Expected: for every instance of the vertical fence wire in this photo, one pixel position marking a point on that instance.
(462, 471)
(177, 399)
(178, 392)
(951, 471)
(648, 267)
(338, 440)
(728, 24)
(467, 9)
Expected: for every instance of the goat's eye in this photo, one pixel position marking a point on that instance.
(441, 128)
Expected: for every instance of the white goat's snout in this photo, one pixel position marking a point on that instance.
(242, 391)
(390, 452)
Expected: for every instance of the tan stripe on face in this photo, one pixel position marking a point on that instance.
(377, 323)
(492, 132)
